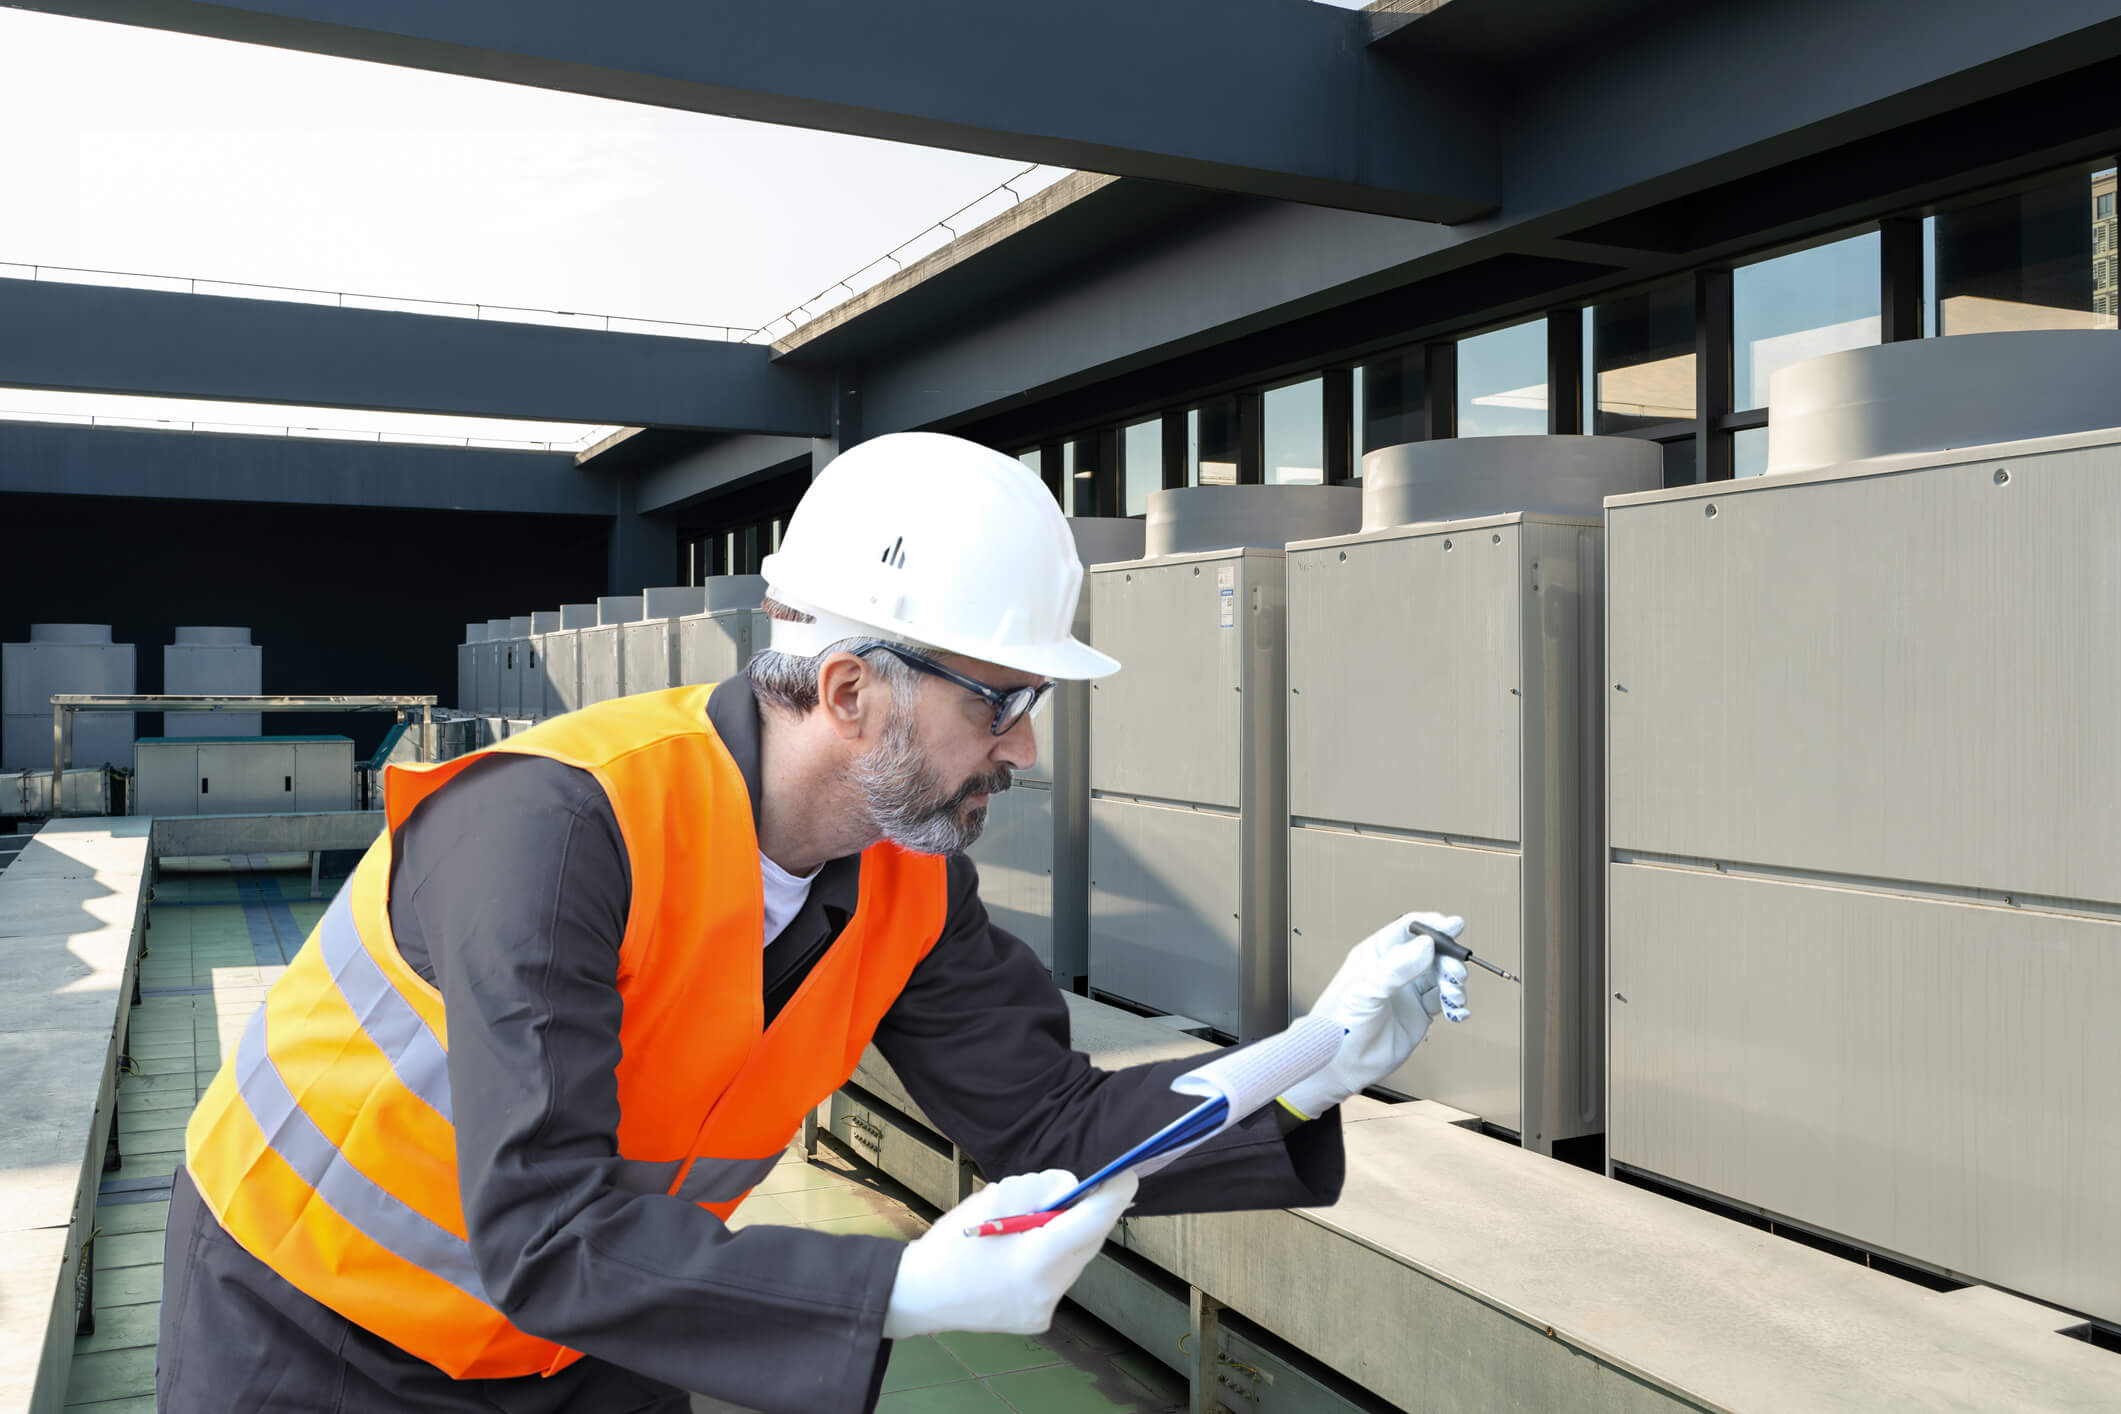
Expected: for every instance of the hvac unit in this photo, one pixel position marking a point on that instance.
(1865, 794)
(1443, 753)
(1188, 811)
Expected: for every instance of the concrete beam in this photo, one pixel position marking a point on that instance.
(183, 836)
(721, 465)
(206, 466)
(1267, 97)
(96, 339)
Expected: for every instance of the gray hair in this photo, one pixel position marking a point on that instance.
(789, 681)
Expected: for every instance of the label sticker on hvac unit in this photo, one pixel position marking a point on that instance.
(1226, 594)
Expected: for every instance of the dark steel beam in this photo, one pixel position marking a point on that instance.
(1268, 97)
(96, 339)
(1900, 279)
(1713, 460)
(205, 466)
(722, 465)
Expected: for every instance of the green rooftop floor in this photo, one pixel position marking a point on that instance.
(217, 941)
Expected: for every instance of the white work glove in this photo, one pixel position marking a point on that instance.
(1383, 996)
(950, 1282)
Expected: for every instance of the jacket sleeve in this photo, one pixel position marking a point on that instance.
(980, 1040)
(513, 883)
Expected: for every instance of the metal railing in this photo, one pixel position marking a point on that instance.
(922, 243)
(300, 294)
(895, 259)
(340, 434)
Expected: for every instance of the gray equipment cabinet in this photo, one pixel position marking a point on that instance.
(1865, 895)
(560, 659)
(1188, 783)
(213, 662)
(251, 775)
(491, 654)
(715, 643)
(1034, 856)
(603, 648)
(515, 668)
(1444, 737)
(64, 658)
(649, 660)
(537, 687)
(468, 667)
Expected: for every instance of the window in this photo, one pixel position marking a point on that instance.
(1068, 482)
(1389, 402)
(1749, 449)
(1502, 382)
(1799, 306)
(1294, 431)
(2022, 261)
(2103, 204)
(1211, 444)
(1141, 460)
(1642, 358)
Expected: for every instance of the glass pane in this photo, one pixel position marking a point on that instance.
(1141, 461)
(1211, 444)
(1502, 382)
(1388, 402)
(2027, 260)
(1087, 477)
(1799, 306)
(1749, 451)
(1590, 383)
(1295, 434)
(1642, 356)
(1068, 482)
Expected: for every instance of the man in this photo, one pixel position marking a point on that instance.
(477, 1148)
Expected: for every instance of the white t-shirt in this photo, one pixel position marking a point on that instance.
(784, 895)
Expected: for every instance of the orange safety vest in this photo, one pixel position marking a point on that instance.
(325, 1145)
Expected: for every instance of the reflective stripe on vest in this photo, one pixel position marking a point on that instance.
(419, 1061)
(295, 1138)
(326, 1146)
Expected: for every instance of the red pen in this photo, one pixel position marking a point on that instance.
(1002, 1227)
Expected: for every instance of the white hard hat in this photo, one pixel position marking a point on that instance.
(931, 539)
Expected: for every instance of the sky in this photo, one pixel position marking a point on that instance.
(133, 150)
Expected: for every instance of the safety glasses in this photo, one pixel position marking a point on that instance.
(1010, 707)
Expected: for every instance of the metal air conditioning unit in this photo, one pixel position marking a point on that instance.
(64, 658)
(213, 662)
(491, 655)
(1865, 795)
(603, 648)
(1188, 809)
(649, 661)
(1443, 702)
(560, 659)
(715, 642)
(468, 667)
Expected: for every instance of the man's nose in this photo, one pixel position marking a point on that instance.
(1017, 748)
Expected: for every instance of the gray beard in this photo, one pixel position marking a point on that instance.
(908, 804)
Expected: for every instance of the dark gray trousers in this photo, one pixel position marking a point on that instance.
(237, 1339)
